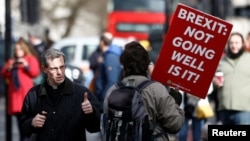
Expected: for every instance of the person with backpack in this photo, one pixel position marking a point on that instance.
(122, 103)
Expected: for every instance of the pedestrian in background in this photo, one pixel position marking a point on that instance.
(155, 39)
(190, 104)
(247, 42)
(95, 60)
(59, 109)
(19, 72)
(109, 70)
(233, 86)
(160, 105)
(37, 40)
(48, 41)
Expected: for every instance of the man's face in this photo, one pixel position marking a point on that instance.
(235, 44)
(55, 70)
(19, 52)
(102, 46)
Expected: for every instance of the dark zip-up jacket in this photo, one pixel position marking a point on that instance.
(109, 72)
(65, 120)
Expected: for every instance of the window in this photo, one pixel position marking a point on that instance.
(139, 5)
(69, 52)
(127, 27)
(87, 51)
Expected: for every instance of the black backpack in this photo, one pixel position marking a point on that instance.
(126, 119)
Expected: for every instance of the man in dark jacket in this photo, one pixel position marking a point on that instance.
(58, 109)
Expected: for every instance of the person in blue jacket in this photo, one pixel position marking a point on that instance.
(109, 70)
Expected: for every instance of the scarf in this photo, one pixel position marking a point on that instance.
(15, 78)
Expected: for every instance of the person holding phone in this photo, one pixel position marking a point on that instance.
(22, 66)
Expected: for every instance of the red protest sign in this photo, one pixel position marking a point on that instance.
(191, 51)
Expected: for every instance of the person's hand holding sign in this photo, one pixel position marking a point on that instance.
(176, 95)
(86, 105)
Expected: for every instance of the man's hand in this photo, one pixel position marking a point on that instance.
(39, 119)
(86, 105)
(176, 95)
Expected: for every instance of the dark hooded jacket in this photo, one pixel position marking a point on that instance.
(109, 71)
(65, 120)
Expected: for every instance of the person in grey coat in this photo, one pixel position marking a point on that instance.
(234, 89)
(160, 105)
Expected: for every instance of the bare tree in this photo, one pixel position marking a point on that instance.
(68, 17)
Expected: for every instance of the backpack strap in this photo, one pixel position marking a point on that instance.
(141, 86)
(120, 84)
(144, 84)
(162, 132)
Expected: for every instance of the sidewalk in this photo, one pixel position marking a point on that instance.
(15, 134)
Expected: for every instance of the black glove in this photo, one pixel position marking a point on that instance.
(176, 95)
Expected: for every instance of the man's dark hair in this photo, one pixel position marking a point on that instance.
(51, 53)
(135, 59)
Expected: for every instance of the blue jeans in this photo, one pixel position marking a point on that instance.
(197, 125)
(234, 117)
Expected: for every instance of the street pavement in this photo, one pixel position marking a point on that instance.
(15, 134)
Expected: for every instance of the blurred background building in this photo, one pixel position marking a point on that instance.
(90, 17)
(63, 18)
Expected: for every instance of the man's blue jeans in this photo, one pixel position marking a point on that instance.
(233, 117)
(196, 125)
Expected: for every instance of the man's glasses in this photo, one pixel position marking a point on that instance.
(55, 69)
